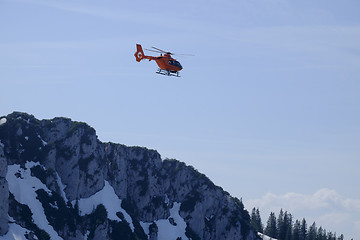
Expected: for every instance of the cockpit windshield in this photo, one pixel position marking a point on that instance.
(175, 63)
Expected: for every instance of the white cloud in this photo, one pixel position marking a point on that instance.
(357, 226)
(326, 207)
(321, 199)
(337, 218)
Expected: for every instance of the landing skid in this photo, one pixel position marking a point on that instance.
(167, 73)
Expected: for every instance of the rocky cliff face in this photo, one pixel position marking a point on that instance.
(4, 193)
(81, 188)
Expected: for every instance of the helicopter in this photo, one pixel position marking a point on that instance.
(167, 65)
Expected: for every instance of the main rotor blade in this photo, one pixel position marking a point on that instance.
(170, 53)
(152, 50)
(160, 50)
(181, 54)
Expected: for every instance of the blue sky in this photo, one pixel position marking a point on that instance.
(269, 107)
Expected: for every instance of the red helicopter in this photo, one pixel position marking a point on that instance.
(167, 65)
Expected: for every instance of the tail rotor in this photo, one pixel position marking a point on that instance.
(139, 54)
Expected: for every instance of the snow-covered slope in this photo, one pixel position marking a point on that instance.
(109, 199)
(264, 237)
(171, 228)
(24, 186)
(16, 232)
(60, 182)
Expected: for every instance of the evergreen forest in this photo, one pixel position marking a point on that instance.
(284, 227)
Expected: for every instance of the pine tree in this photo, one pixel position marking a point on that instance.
(296, 231)
(284, 225)
(253, 218)
(258, 217)
(321, 234)
(303, 230)
(331, 236)
(270, 229)
(280, 226)
(256, 220)
(288, 222)
(312, 234)
(341, 237)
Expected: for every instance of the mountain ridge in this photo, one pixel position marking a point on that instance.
(73, 164)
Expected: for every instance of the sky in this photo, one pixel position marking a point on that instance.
(268, 108)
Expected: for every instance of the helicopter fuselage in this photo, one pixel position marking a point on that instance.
(166, 62)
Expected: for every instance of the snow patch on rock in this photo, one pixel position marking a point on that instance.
(167, 230)
(264, 237)
(2, 121)
(15, 232)
(42, 140)
(109, 199)
(24, 186)
(62, 187)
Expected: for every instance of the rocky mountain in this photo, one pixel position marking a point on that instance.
(58, 181)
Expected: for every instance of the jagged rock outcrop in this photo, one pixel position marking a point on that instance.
(4, 193)
(74, 166)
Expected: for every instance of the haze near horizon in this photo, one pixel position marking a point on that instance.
(268, 109)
